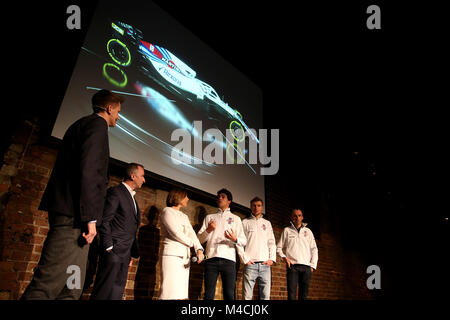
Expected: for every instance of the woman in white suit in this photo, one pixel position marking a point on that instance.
(177, 239)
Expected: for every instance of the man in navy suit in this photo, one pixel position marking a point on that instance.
(74, 199)
(121, 220)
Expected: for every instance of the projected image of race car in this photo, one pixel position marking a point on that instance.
(190, 117)
(126, 47)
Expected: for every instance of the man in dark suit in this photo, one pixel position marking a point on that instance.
(74, 199)
(121, 220)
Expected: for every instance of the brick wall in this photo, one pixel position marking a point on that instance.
(26, 168)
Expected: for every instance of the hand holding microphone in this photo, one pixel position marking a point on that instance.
(199, 258)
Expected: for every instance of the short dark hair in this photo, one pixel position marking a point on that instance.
(102, 98)
(130, 169)
(297, 208)
(227, 193)
(302, 209)
(256, 199)
(175, 196)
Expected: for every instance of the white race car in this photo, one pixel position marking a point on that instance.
(170, 72)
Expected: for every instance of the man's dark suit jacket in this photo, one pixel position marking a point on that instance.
(120, 223)
(77, 185)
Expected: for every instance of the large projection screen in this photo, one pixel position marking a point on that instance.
(170, 80)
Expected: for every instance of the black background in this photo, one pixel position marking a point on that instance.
(346, 89)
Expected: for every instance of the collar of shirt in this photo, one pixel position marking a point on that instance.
(301, 226)
(177, 212)
(253, 217)
(131, 191)
(227, 210)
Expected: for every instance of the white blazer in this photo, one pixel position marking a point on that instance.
(178, 236)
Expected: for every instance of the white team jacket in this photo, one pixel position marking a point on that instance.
(219, 246)
(261, 244)
(299, 246)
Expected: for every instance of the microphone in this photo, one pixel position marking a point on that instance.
(194, 259)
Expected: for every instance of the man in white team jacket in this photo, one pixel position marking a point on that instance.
(297, 247)
(224, 235)
(260, 252)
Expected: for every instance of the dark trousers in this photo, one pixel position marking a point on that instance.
(227, 270)
(61, 271)
(298, 275)
(111, 277)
